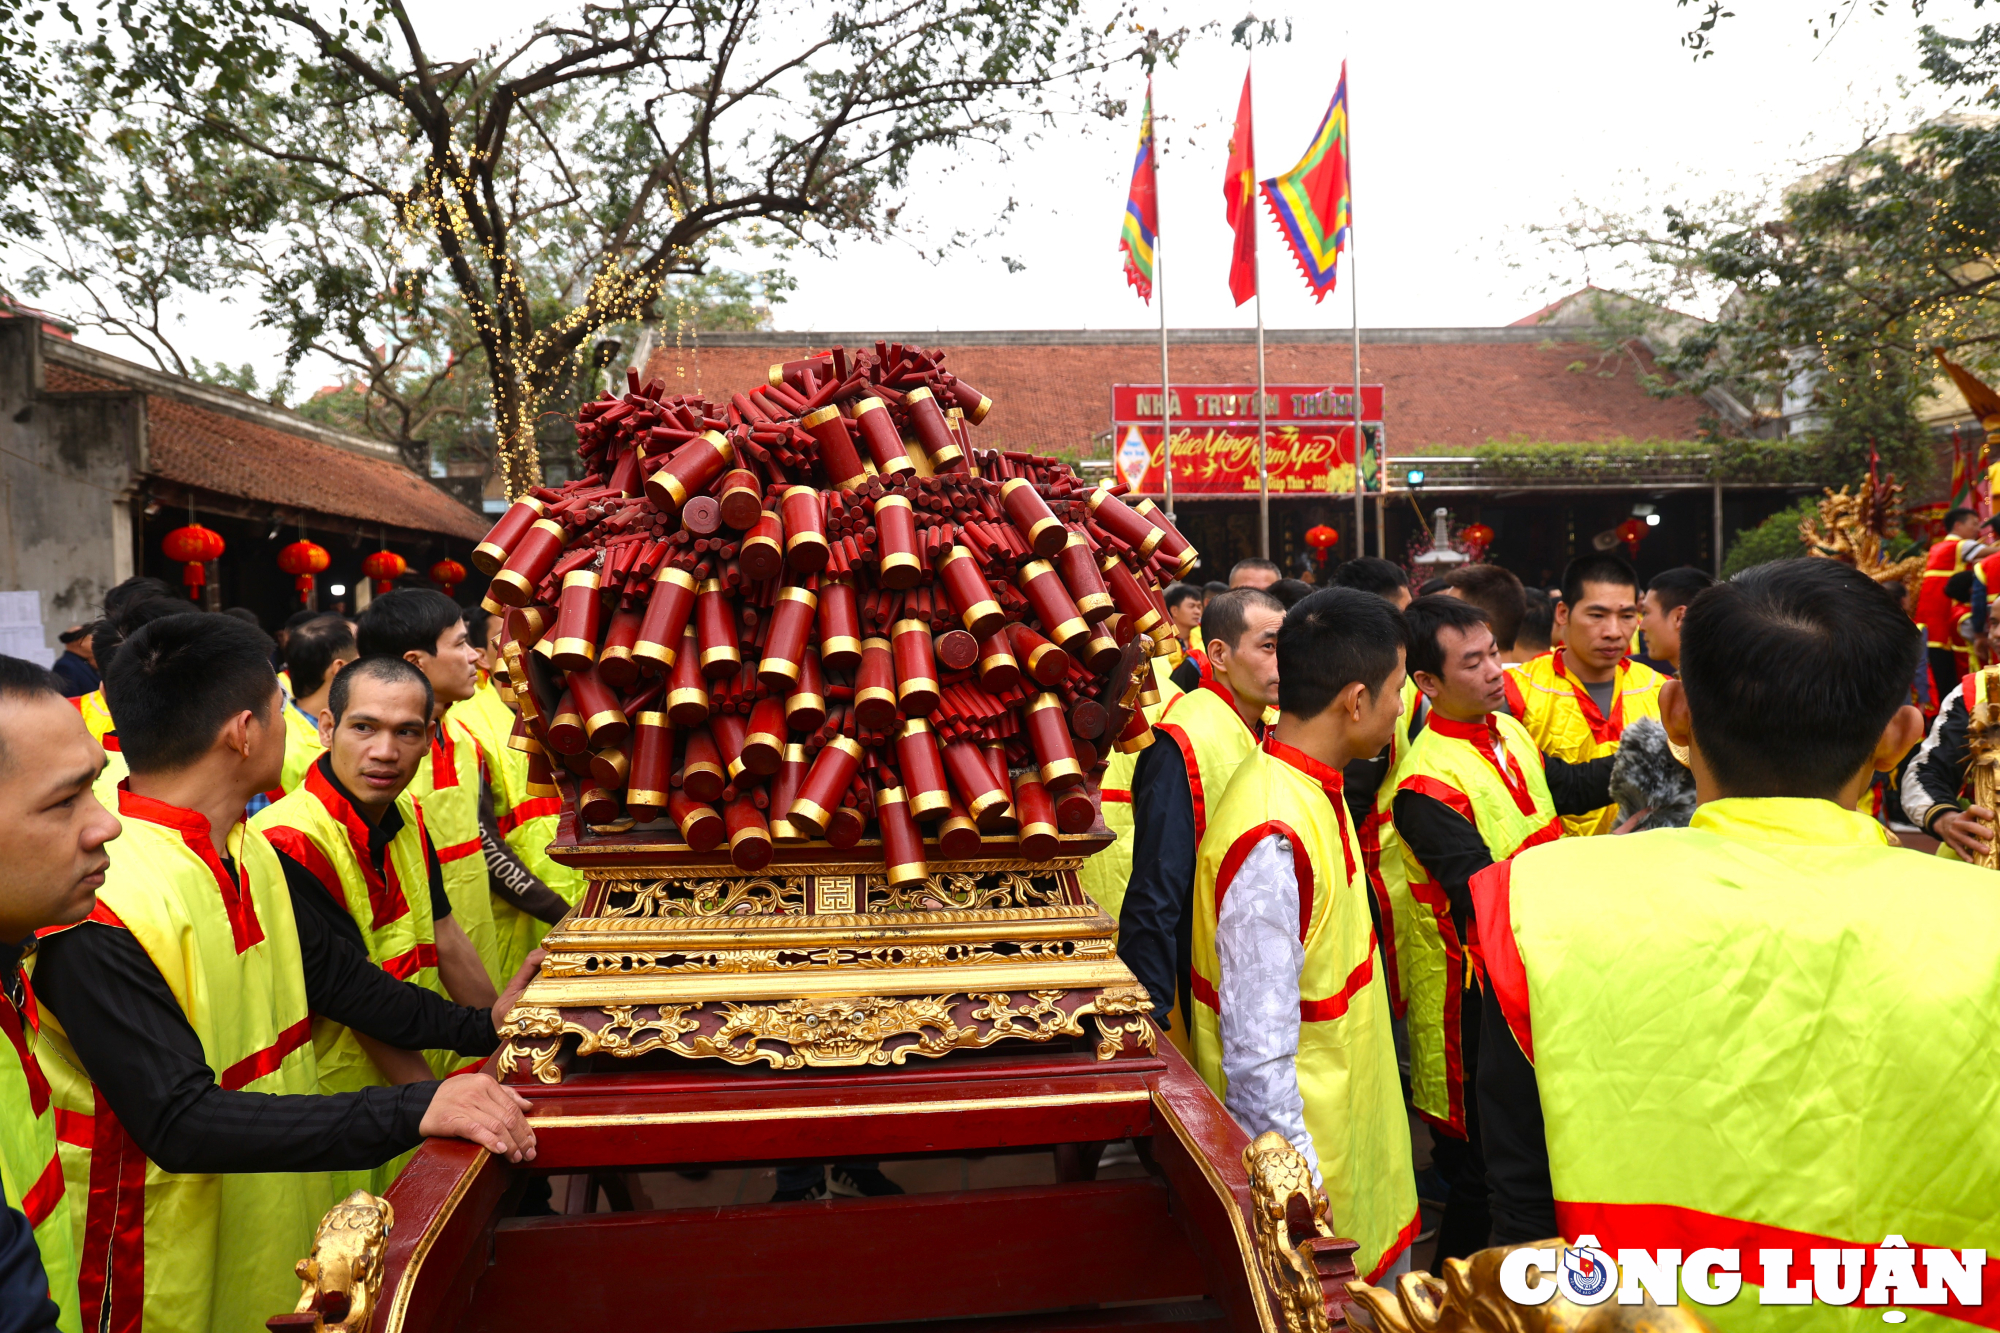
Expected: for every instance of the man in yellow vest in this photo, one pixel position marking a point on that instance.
(428, 630)
(357, 856)
(1738, 1042)
(1472, 789)
(52, 838)
(525, 821)
(176, 1035)
(1291, 1010)
(314, 654)
(1197, 744)
(1577, 699)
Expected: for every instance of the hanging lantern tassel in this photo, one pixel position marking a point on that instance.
(385, 567)
(303, 559)
(194, 546)
(448, 574)
(1629, 532)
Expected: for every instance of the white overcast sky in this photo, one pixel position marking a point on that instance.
(1470, 123)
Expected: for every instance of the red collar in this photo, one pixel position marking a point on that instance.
(193, 828)
(1485, 728)
(1602, 729)
(1329, 779)
(1211, 683)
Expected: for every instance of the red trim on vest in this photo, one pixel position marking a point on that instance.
(458, 851)
(1548, 832)
(1655, 1226)
(253, 1067)
(1404, 1240)
(109, 740)
(1423, 784)
(1602, 729)
(74, 1128)
(244, 928)
(1511, 685)
(295, 844)
(539, 806)
(1369, 835)
(1334, 1006)
(1485, 739)
(43, 1196)
(1499, 955)
(1432, 895)
(1203, 992)
(10, 1023)
(444, 757)
(387, 901)
(112, 1262)
(1116, 795)
(1180, 738)
(411, 961)
(1232, 861)
(1330, 782)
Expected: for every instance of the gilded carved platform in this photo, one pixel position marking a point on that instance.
(826, 965)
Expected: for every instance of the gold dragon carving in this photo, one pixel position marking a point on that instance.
(842, 1032)
(342, 1276)
(1848, 529)
(1290, 1216)
(1468, 1299)
(767, 896)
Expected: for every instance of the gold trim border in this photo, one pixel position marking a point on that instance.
(839, 1112)
(1246, 1247)
(581, 858)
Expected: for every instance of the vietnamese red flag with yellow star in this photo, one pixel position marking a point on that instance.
(1239, 193)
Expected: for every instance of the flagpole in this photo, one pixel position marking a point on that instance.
(1166, 384)
(1257, 272)
(1354, 320)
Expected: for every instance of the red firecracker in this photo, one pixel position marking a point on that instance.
(385, 567)
(1478, 536)
(1320, 536)
(1630, 532)
(448, 573)
(194, 546)
(304, 559)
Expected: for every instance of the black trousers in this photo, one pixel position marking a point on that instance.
(1467, 1221)
(1945, 676)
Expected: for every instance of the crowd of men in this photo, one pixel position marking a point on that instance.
(256, 919)
(262, 924)
(1376, 866)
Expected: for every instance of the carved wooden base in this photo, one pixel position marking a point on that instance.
(825, 966)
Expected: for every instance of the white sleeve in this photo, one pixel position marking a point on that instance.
(1257, 943)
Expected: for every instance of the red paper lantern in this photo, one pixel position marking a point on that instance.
(449, 573)
(1320, 536)
(304, 559)
(1476, 534)
(1629, 532)
(385, 567)
(194, 546)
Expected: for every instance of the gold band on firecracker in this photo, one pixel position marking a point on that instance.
(1123, 522)
(533, 556)
(1053, 605)
(492, 553)
(896, 536)
(579, 613)
(690, 467)
(792, 618)
(667, 615)
(885, 444)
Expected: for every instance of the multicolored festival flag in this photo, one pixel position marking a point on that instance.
(1142, 209)
(1312, 202)
(1239, 195)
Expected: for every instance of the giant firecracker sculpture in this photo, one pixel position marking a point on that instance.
(824, 690)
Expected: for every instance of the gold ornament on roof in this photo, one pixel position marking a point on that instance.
(1850, 529)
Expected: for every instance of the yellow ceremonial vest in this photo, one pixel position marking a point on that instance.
(168, 1253)
(320, 829)
(302, 745)
(29, 1166)
(1563, 721)
(1741, 1047)
(1213, 740)
(1106, 874)
(1454, 762)
(1381, 849)
(527, 823)
(96, 713)
(446, 789)
(1347, 1055)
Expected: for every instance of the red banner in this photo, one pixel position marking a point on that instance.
(1235, 404)
(1304, 459)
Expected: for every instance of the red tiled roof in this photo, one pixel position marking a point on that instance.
(1057, 397)
(231, 456)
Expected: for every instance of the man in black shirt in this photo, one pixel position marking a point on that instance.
(197, 709)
